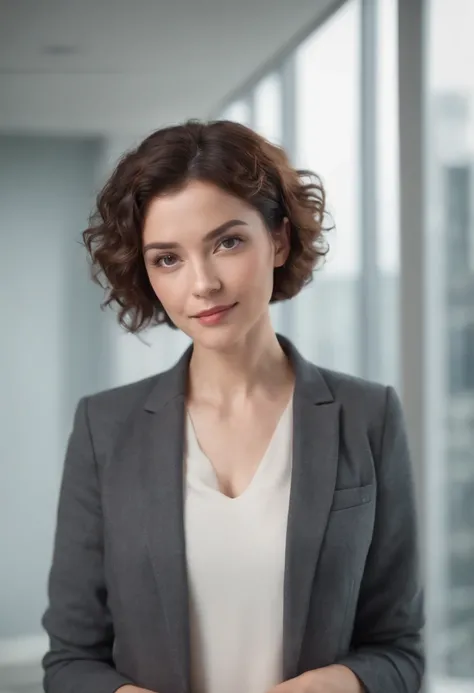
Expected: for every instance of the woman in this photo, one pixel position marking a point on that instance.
(245, 521)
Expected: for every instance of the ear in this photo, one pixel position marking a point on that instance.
(281, 241)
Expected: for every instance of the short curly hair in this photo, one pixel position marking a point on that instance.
(232, 157)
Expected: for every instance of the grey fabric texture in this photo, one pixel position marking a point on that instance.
(118, 595)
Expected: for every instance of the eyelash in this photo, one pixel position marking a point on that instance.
(158, 260)
(232, 238)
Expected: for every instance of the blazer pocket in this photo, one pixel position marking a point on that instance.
(351, 497)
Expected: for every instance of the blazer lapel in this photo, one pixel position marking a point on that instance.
(162, 487)
(315, 454)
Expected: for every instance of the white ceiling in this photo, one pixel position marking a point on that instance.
(128, 66)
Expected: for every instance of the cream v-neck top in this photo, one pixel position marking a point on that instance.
(235, 551)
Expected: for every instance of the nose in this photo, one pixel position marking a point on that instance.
(205, 280)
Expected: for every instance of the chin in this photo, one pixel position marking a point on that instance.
(225, 337)
(218, 339)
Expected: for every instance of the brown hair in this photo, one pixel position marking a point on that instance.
(226, 154)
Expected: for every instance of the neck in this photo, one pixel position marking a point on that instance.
(257, 362)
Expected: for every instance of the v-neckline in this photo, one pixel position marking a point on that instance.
(211, 481)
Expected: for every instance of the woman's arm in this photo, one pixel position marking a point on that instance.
(77, 620)
(387, 652)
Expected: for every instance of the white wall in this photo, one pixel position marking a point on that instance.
(52, 349)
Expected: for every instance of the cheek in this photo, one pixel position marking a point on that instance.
(167, 291)
(252, 268)
(259, 272)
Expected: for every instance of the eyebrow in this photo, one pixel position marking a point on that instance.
(210, 236)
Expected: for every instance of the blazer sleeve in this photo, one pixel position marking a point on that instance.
(387, 652)
(77, 620)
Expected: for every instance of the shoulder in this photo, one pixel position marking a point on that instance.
(369, 411)
(149, 392)
(121, 400)
(117, 407)
(110, 411)
(362, 401)
(110, 415)
(351, 389)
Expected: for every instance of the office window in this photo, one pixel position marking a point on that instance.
(387, 194)
(318, 93)
(267, 102)
(450, 231)
(325, 316)
(268, 108)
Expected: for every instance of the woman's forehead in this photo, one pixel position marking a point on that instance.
(199, 208)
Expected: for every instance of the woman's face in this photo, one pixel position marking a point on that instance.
(210, 261)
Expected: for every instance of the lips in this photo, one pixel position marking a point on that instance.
(214, 311)
(214, 316)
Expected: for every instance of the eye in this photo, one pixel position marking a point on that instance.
(165, 261)
(230, 243)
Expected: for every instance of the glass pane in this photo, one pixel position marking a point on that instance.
(268, 108)
(326, 314)
(388, 229)
(268, 122)
(450, 232)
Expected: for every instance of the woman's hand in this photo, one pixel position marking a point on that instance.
(332, 679)
(301, 684)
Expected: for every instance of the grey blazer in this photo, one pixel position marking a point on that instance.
(118, 609)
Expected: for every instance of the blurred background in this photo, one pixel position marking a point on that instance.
(377, 96)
